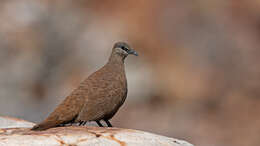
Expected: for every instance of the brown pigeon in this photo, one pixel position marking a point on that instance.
(98, 97)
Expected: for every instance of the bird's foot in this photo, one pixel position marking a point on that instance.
(99, 124)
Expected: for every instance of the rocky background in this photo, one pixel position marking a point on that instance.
(197, 77)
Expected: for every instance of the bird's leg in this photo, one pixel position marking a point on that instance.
(108, 123)
(81, 122)
(99, 124)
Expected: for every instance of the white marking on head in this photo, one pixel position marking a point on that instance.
(121, 51)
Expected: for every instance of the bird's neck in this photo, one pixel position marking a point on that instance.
(116, 58)
(116, 61)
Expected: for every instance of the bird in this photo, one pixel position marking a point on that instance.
(96, 98)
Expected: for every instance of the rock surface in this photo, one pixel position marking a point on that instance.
(76, 135)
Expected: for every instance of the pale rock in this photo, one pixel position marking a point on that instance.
(80, 135)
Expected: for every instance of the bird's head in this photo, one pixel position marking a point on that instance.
(123, 49)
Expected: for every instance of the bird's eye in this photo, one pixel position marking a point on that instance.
(124, 48)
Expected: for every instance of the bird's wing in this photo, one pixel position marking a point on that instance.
(105, 97)
(66, 112)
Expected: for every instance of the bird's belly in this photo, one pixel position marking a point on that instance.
(107, 105)
(114, 102)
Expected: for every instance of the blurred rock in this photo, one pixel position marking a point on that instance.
(198, 63)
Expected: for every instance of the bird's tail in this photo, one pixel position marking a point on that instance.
(44, 126)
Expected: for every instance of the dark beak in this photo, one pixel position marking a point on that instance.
(133, 52)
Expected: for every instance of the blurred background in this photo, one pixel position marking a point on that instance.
(197, 77)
